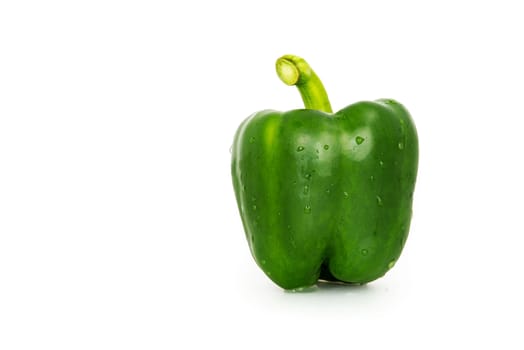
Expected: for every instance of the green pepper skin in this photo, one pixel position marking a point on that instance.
(326, 196)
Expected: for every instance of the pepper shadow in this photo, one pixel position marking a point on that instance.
(330, 287)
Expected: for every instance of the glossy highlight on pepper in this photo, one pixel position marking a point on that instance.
(325, 196)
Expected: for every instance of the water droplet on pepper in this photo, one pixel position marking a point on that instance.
(306, 189)
(307, 209)
(391, 264)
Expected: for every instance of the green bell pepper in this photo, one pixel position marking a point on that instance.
(325, 196)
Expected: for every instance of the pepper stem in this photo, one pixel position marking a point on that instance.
(293, 70)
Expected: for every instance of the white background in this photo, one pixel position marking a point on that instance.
(118, 224)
